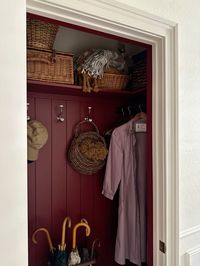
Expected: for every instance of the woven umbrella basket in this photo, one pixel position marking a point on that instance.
(90, 160)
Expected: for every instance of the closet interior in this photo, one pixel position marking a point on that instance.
(55, 188)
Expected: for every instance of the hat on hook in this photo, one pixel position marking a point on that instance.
(37, 136)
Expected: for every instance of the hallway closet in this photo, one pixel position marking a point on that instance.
(55, 190)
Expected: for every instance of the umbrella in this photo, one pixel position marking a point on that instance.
(92, 255)
(61, 254)
(58, 257)
(74, 257)
(51, 248)
(84, 252)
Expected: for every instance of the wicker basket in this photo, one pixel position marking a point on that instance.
(50, 66)
(85, 162)
(113, 81)
(40, 34)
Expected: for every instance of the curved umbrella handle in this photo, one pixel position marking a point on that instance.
(83, 220)
(48, 237)
(81, 224)
(93, 245)
(67, 219)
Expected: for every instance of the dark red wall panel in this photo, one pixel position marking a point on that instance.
(55, 190)
(59, 181)
(31, 194)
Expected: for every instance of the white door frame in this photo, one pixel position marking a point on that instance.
(128, 22)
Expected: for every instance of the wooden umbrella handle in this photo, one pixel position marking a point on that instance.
(83, 220)
(47, 235)
(81, 224)
(67, 219)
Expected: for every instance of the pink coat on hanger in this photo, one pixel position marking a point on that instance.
(126, 168)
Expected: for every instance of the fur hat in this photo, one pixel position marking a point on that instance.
(37, 135)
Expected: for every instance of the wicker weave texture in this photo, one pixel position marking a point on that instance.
(79, 160)
(113, 81)
(50, 67)
(41, 34)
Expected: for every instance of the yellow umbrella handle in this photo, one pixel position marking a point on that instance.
(83, 220)
(47, 234)
(81, 224)
(67, 219)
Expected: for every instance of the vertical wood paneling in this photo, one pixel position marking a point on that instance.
(88, 182)
(73, 178)
(43, 180)
(31, 194)
(59, 205)
(56, 190)
(104, 227)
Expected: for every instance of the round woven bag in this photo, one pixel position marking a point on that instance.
(87, 152)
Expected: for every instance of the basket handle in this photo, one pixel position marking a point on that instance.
(42, 60)
(51, 60)
(77, 128)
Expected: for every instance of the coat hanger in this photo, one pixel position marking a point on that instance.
(139, 116)
(139, 121)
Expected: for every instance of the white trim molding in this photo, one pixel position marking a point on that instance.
(127, 22)
(192, 257)
(190, 231)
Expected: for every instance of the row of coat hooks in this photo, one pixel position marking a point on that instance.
(125, 111)
(60, 117)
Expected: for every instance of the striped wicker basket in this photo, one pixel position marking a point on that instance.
(41, 34)
(113, 81)
(50, 66)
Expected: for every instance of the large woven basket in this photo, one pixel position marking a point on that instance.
(41, 34)
(113, 81)
(50, 66)
(80, 161)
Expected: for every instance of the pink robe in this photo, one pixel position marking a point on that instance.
(127, 148)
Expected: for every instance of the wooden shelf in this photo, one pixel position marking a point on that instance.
(59, 88)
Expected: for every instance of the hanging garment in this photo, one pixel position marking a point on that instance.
(126, 168)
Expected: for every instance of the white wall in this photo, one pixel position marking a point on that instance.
(187, 15)
(13, 178)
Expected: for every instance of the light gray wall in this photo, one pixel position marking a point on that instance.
(76, 42)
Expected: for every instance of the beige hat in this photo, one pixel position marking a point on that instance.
(37, 135)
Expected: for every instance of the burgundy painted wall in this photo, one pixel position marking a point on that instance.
(55, 190)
